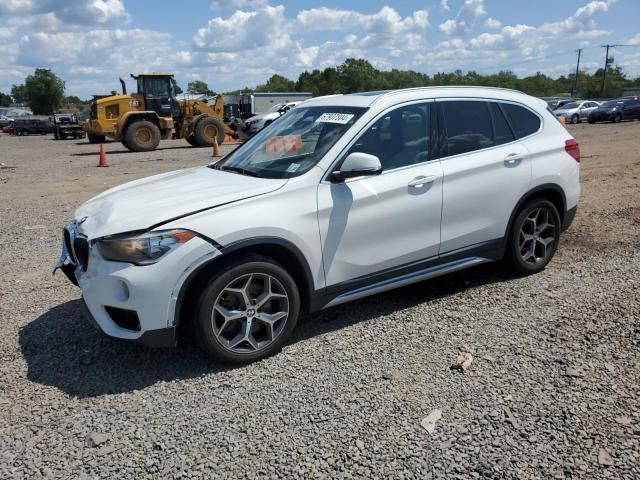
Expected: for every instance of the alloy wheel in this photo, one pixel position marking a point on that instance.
(250, 313)
(537, 236)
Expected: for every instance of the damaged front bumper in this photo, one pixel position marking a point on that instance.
(129, 302)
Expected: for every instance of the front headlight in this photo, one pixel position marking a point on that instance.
(142, 249)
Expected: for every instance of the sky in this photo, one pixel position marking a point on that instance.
(231, 44)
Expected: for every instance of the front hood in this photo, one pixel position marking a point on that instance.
(151, 201)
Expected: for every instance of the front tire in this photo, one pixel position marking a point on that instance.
(142, 136)
(247, 311)
(575, 119)
(208, 129)
(534, 237)
(617, 118)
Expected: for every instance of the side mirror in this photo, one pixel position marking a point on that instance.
(357, 164)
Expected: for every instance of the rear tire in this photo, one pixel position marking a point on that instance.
(142, 136)
(534, 237)
(208, 129)
(93, 139)
(591, 121)
(192, 141)
(247, 311)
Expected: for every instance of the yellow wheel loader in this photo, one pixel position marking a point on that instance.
(142, 119)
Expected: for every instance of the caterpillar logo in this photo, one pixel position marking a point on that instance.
(134, 103)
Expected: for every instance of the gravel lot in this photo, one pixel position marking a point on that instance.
(553, 390)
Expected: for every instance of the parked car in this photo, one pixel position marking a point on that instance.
(66, 125)
(562, 103)
(256, 123)
(575, 112)
(31, 125)
(5, 121)
(557, 102)
(616, 110)
(345, 196)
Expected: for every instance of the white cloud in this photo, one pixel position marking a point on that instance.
(444, 5)
(387, 20)
(80, 12)
(220, 4)
(635, 40)
(580, 21)
(245, 30)
(492, 23)
(464, 21)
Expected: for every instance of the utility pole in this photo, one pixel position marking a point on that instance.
(606, 64)
(574, 92)
(607, 61)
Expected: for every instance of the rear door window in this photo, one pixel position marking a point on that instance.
(503, 132)
(523, 121)
(468, 125)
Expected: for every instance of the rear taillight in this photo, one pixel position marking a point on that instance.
(573, 149)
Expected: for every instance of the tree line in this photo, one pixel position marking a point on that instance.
(357, 75)
(43, 91)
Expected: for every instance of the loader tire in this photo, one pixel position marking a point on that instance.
(192, 141)
(207, 129)
(142, 136)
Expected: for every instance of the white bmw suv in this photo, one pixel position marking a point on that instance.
(346, 196)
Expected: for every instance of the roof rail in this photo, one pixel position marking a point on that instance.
(438, 87)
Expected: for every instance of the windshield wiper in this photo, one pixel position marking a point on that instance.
(240, 170)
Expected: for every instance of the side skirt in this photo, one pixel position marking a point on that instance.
(407, 280)
(407, 274)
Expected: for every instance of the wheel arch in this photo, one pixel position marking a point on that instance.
(551, 191)
(130, 117)
(282, 251)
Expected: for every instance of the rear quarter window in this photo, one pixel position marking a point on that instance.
(523, 121)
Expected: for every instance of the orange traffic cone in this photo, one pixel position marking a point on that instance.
(216, 148)
(103, 158)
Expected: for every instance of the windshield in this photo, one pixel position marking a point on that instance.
(570, 105)
(611, 103)
(276, 107)
(292, 145)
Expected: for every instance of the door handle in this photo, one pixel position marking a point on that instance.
(421, 180)
(512, 159)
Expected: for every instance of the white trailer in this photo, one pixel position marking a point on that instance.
(254, 103)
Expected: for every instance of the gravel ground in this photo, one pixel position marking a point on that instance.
(552, 391)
